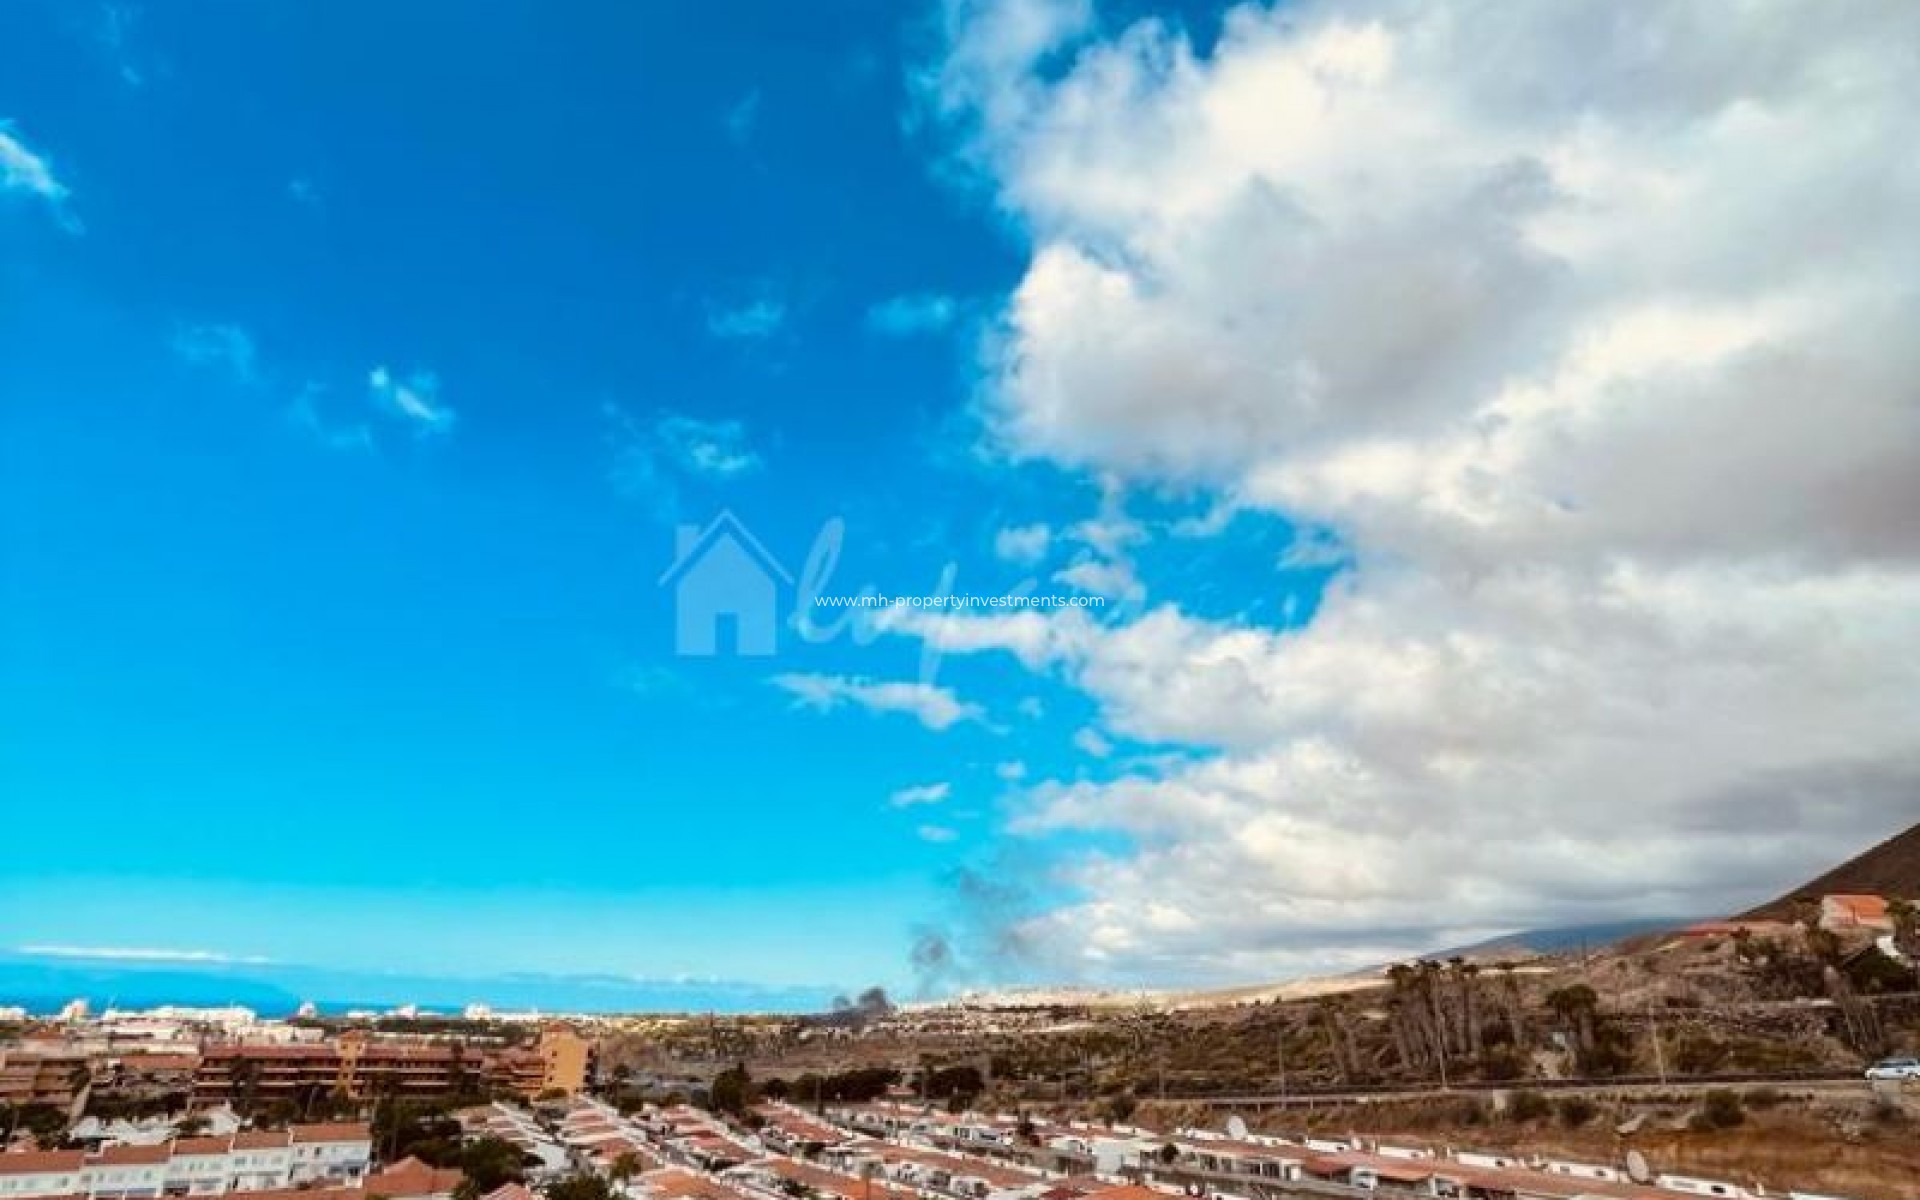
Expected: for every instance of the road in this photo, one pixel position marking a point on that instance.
(1378, 1093)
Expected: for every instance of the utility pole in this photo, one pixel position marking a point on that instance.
(1280, 1058)
(1659, 1053)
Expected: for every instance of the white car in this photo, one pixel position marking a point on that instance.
(1895, 1068)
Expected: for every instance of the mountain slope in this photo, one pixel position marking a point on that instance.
(1890, 869)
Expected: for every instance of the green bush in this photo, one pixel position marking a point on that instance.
(1721, 1110)
(1528, 1106)
(1576, 1111)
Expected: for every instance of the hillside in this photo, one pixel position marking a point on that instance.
(1890, 869)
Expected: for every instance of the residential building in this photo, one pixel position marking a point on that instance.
(364, 1066)
(1841, 913)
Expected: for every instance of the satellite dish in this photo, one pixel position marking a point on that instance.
(1637, 1167)
(1237, 1128)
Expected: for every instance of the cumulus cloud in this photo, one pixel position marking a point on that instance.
(1589, 361)
(933, 706)
(925, 793)
(414, 399)
(908, 315)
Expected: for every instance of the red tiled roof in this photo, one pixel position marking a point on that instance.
(261, 1139)
(129, 1156)
(201, 1145)
(411, 1177)
(339, 1131)
(673, 1183)
(37, 1162)
(1860, 908)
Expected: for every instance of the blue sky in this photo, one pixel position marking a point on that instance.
(1435, 427)
(353, 383)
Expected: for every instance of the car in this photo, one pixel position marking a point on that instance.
(1895, 1068)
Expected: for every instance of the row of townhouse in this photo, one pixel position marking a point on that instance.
(1254, 1164)
(248, 1161)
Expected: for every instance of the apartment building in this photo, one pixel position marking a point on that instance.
(249, 1161)
(363, 1066)
(42, 1076)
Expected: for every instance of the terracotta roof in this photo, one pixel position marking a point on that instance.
(212, 1053)
(128, 1156)
(37, 1162)
(411, 1177)
(338, 1193)
(509, 1191)
(201, 1145)
(673, 1183)
(339, 1131)
(1860, 908)
(1127, 1191)
(261, 1139)
(160, 1062)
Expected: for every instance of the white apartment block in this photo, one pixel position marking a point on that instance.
(249, 1161)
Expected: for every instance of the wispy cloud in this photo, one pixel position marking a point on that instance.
(415, 399)
(304, 192)
(908, 315)
(115, 35)
(1026, 544)
(933, 706)
(304, 414)
(938, 834)
(925, 793)
(717, 447)
(751, 320)
(1090, 741)
(221, 347)
(655, 457)
(25, 170)
(743, 116)
(139, 954)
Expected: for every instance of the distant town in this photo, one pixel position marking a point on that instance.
(1713, 1059)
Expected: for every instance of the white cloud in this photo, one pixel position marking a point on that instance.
(221, 347)
(912, 314)
(925, 793)
(750, 320)
(304, 414)
(707, 447)
(1023, 544)
(415, 399)
(933, 706)
(138, 954)
(937, 834)
(24, 169)
(1588, 360)
(1088, 740)
(1012, 771)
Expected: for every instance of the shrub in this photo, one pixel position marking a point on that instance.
(1761, 1099)
(1720, 1111)
(1576, 1111)
(1528, 1106)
